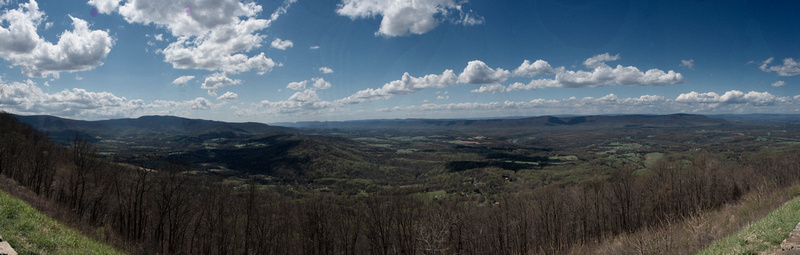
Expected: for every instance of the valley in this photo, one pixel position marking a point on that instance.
(540, 185)
(485, 157)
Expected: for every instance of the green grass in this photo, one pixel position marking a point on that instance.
(31, 232)
(430, 196)
(763, 235)
(652, 158)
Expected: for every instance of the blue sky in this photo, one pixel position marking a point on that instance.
(296, 60)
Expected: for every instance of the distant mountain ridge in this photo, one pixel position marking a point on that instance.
(60, 129)
(761, 118)
(592, 121)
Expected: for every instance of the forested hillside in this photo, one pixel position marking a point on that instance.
(166, 209)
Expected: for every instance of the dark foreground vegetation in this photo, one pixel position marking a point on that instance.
(167, 208)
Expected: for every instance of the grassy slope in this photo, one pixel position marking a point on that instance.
(764, 235)
(31, 232)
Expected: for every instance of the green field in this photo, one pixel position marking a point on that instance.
(762, 236)
(31, 232)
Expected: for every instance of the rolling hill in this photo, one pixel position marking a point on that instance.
(544, 123)
(61, 129)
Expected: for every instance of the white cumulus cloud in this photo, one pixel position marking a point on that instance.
(297, 85)
(477, 72)
(326, 70)
(731, 97)
(220, 54)
(601, 75)
(317, 83)
(710, 102)
(211, 35)
(27, 98)
(281, 44)
(493, 88)
(77, 50)
(599, 60)
(189, 17)
(181, 81)
(228, 95)
(300, 102)
(401, 17)
(790, 67)
(406, 85)
(105, 6)
(320, 83)
(216, 81)
(200, 103)
(538, 67)
(779, 84)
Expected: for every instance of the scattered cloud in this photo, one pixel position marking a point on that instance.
(211, 35)
(80, 49)
(198, 19)
(280, 11)
(228, 95)
(317, 83)
(306, 102)
(709, 102)
(401, 17)
(281, 44)
(493, 88)
(601, 75)
(406, 85)
(315, 47)
(587, 105)
(477, 72)
(790, 67)
(302, 101)
(181, 81)
(599, 60)
(216, 81)
(220, 55)
(320, 83)
(157, 37)
(326, 70)
(534, 84)
(538, 67)
(731, 97)
(105, 6)
(779, 84)
(688, 64)
(200, 103)
(28, 98)
(297, 85)
(623, 75)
